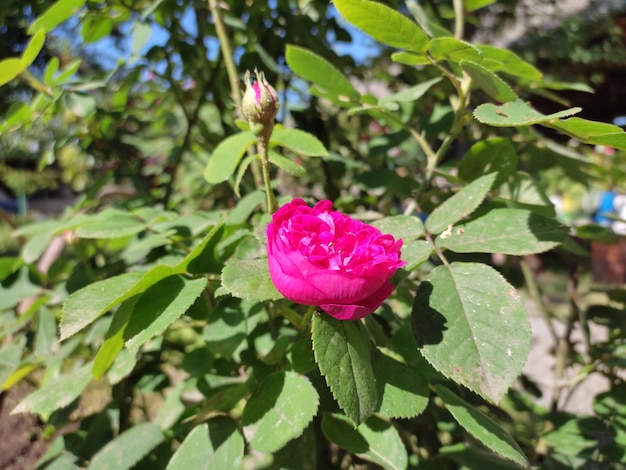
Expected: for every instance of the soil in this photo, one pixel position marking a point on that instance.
(21, 440)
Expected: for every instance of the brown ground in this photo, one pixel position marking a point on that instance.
(21, 442)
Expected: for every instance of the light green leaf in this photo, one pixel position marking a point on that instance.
(411, 59)
(111, 223)
(85, 305)
(516, 113)
(342, 352)
(488, 81)
(249, 279)
(460, 205)
(319, 71)
(472, 326)
(415, 252)
(159, 306)
(375, 440)
(471, 5)
(226, 156)
(32, 50)
(481, 426)
(454, 50)
(410, 94)
(402, 391)
(280, 411)
(57, 393)
(503, 60)
(507, 231)
(55, 15)
(9, 69)
(298, 141)
(216, 444)
(46, 335)
(433, 29)
(141, 35)
(286, 164)
(383, 24)
(405, 227)
(128, 448)
(592, 132)
(486, 156)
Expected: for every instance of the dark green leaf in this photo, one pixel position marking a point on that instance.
(216, 444)
(286, 164)
(460, 205)
(472, 326)
(403, 227)
(508, 231)
(503, 60)
(486, 156)
(402, 391)
(249, 279)
(453, 50)
(482, 427)
(280, 411)
(342, 352)
(128, 448)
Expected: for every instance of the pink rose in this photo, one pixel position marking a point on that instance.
(324, 258)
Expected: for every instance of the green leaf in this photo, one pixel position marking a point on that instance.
(473, 455)
(415, 252)
(226, 156)
(375, 440)
(503, 60)
(453, 50)
(85, 305)
(159, 306)
(472, 326)
(32, 50)
(516, 113)
(486, 156)
(141, 35)
(280, 411)
(9, 69)
(488, 81)
(402, 391)
(55, 15)
(229, 324)
(405, 227)
(128, 448)
(460, 205)
(592, 132)
(383, 24)
(286, 164)
(216, 444)
(471, 5)
(298, 141)
(411, 59)
(111, 223)
(410, 94)
(249, 279)
(481, 426)
(342, 352)
(507, 231)
(319, 71)
(57, 393)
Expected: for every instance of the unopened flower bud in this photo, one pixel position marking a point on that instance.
(260, 103)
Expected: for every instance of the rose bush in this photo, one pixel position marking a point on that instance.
(324, 258)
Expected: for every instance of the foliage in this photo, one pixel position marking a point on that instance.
(145, 316)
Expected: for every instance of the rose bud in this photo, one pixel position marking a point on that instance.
(324, 258)
(260, 103)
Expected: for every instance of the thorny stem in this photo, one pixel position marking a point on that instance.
(262, 146)
(231, 70)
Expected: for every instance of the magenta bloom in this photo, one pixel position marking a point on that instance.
(322, 257)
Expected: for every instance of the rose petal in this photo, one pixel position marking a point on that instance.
(362, 308)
